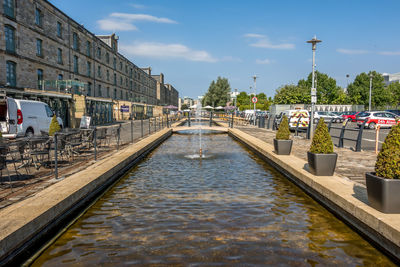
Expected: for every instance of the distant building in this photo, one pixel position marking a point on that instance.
(391, 78)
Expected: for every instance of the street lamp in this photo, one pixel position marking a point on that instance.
(370, 91)
(314, 42)
(255, 94)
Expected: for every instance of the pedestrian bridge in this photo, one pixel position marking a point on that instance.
(200, 127)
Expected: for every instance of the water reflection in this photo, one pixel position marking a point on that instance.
(229, 209)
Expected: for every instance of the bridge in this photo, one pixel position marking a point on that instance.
(200, 127)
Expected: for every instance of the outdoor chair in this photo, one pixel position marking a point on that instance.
(39, 150)
(3, 163)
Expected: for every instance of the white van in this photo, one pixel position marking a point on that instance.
(24, 117)
(294, 115)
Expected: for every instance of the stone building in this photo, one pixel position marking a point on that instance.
(42, 48)
(166, 93)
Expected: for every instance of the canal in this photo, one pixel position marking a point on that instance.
(228, 208)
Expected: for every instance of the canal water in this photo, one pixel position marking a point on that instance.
(228, 208)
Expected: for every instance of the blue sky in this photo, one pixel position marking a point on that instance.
(194, 42)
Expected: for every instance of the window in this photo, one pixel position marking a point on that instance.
(126, 69)
(75, 41)
(115, 79)
(59, 29)
(108, 75)
(38, 17)
(108, 91)
(89, 89)
(11, 73)
(126, 82)
(120, 66)
(120, 80)
(115, 63)
(59, 56)
(115, 93)
(108, 58)
(88, 49)
(99, 52)
(8, 6)
(40, 79)
(76, 69)
(39, 51)
(99, 89)
(89, 68)
(126, 96)
(131, 85)
(121, 95)
(60, 77)
(131, 73)
(99, 71)
(9, 33)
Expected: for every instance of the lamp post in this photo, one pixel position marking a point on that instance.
(255, 94)
(370, 91)
(314, 42)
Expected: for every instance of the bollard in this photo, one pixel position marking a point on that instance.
(232, 121)
(189, 120)
(377, 139)
(141, 126)
(95, 142)
(211, 118)
(55, 156)
(167, 121)
(132, 132)
(269, 121)
(359, 137)
(341, 137)
(119, 135)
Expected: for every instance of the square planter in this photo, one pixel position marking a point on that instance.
(383, 194)
(283, 147)
(322, 164)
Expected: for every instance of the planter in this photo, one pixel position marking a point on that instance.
(383, 194)
(283, 147)
(322, 164)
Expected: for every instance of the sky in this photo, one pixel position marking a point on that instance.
(192, 42)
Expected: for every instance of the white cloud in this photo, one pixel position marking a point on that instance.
(264, 61)
(352, 51)
(115, 25)
(389, 53)
(160, 50)
(141, 17)
(138, 6)
(264, 42)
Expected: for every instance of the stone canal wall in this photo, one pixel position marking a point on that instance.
(27, 223)
(343, 197)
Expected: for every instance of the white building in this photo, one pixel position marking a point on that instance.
(391, 78)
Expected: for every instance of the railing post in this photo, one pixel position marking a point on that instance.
(132, 132)
(119, 135)
(269, 121)
(359, 137)
(274, 123)
(141, 126)
(95, 142)
(342, 131)
(211, 115)
(149, 126)
(55, 156)
(189, 119)
(232, 120)
(329, 126)
(167, 121)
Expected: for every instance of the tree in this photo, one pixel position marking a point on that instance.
(358, 91)
(292, 94)
(218, 93)
(327, 90)
(244, 101)
(184, 106)
(394, 91)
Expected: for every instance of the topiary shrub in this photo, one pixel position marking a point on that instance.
(322, 141)
(54, 126)
(283, 132)
(388, 161)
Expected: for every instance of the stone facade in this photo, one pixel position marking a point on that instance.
(48, 45)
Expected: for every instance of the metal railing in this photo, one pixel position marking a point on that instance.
(343, 130)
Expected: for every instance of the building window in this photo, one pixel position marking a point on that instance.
(126, 96)
(126, 82)
(9, 33)
(131, 85)
(115, 79)
(131, 73)
(99, 89)
(89, 68)
(108, 58)
(115, 63)
(11, 73)
(59, 29)
(59, 56)
(108, 91)
(120, 66)
(9, 9)
(75, 41)
(38, 17)
(40, 79)
(99, 52)
(115, 93)
(126, 69)
(121, 95)
(120, 80)
(39, 51)
(88, 48)
(60, 77)
(89, 89)
(108, 75)
(76, 69)
(99, 71)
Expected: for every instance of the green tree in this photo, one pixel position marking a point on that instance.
(358, 91)
(394, 91)
(292, 94)
(322, 141)
(242, 99)
(341, 99)
(184, 106)
(327, 90)
(218, 93)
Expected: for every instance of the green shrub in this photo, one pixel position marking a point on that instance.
(388, 162)
(54, 126)
(322, 142)
(283, 132)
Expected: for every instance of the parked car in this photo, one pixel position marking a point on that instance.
(24, 117)
(351, 115)
(395, 111)
(328, 116)
(374, 118)
(293, 116)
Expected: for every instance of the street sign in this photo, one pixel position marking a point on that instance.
(124, 108)
(254, 100)
(313, 99)
(313, 91)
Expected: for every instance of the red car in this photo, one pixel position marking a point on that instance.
(351, 115)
